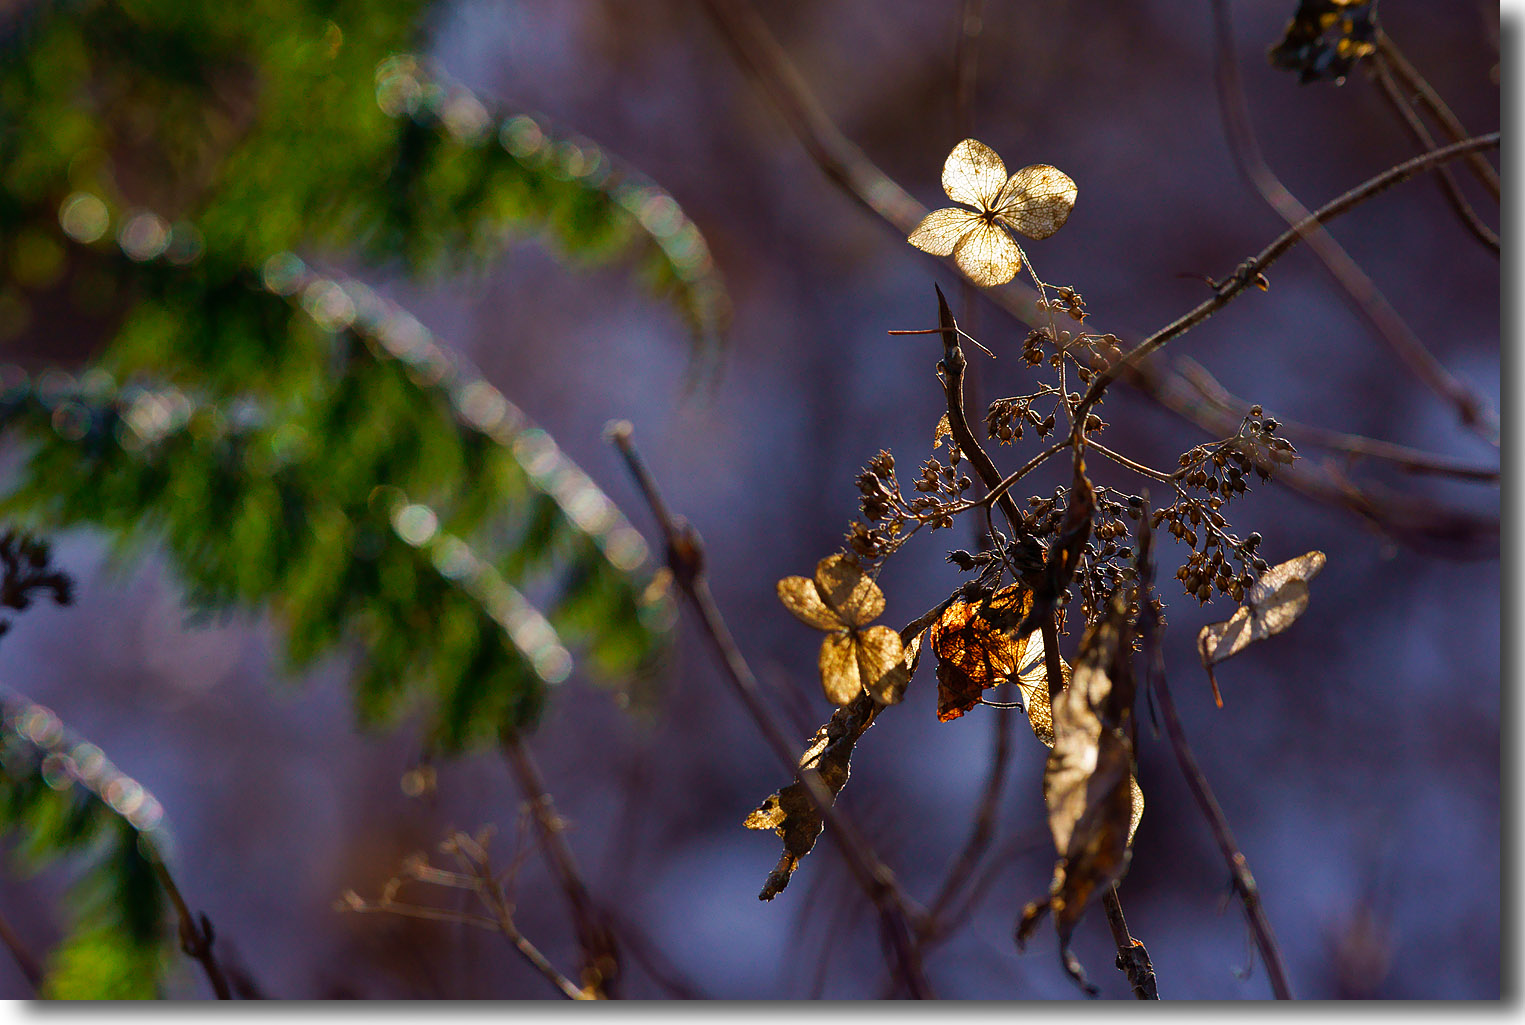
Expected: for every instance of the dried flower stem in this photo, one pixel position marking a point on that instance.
(1420, 524)
(685, 557)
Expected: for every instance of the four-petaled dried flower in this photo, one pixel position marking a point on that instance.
(855, 657)
(1035, 201)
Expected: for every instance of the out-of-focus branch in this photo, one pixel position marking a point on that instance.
(1421, 525)
(1411, 460)
(1420, 87)
(1383, 76)
(1360, 291)
(195, 931)
(685, 558)
(600, 952)
(26, 963)
(1150, 630)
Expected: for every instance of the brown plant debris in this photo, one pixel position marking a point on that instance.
(790, 812)
(1272, 605)
(855, 657)
(1093, 800)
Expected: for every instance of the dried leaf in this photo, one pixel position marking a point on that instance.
(1272, 605)
(944, 430)
(1035, 201)
(973, 650)
(1094, 802)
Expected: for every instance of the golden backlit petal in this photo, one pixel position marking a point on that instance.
(941, 230)
(1037, 200)
(988, 256)
(847, 591)
(839, 669)
(1138, 808)
(800, 597)
(882, 665)
(974, 175)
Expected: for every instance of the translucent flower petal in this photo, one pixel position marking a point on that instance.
(941, 230)
(1037, 200)
(988, 255)
(974, 175)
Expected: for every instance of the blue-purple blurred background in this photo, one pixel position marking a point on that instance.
(1357, 756)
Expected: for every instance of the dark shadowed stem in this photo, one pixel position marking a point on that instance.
(1420, 524)
(1239, 869)
(981, 832)
(599, 951)
(1362, 294)
(1245, 277)
(1411, 460)
(1420, 87)
(1382, 75)
(685, 557)
(195, 931)
(25, 962)
(1132, 957)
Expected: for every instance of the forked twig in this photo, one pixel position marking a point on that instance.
(600, 952)
(1420, 524)
(1363, 295)
(195, 931)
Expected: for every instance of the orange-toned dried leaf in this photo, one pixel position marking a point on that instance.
(974, 653)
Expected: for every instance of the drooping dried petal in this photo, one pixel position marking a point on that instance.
(839, 668)
(988, 255)
(882, 666)
(847, 591)
(1272, 605)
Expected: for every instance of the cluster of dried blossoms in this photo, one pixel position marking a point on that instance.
(1085, 540)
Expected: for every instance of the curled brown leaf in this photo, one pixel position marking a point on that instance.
(973, 651)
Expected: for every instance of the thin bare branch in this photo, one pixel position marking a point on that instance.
(1411, 460)
(195, 931)
(600, 952)
(1360, 291)
(685, 558)
(1150, 630)
(1420, 87)
(1382, 75)
(1132, 957)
